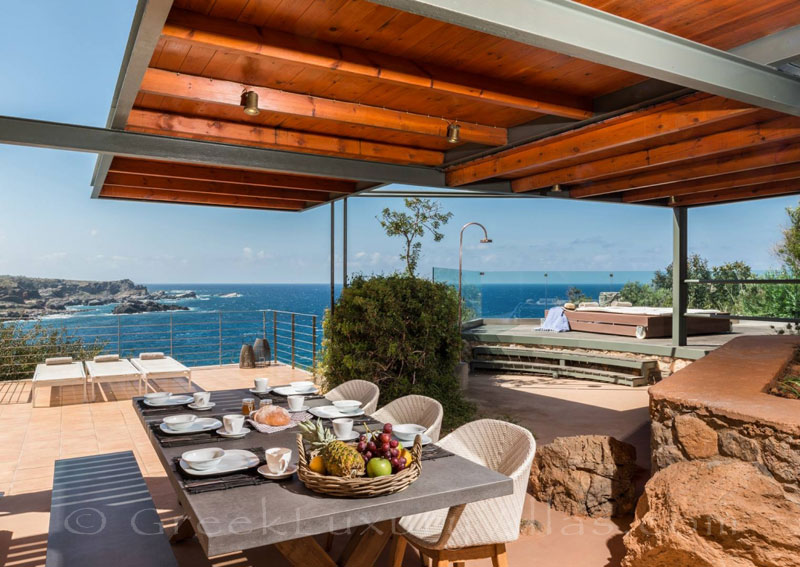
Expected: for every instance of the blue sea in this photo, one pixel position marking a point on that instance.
(223, 317)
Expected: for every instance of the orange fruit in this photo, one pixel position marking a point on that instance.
(405, 453)
(317, 465)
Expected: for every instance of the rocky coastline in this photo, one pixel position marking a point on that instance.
(23, 297)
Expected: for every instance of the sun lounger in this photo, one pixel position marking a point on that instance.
(156, 365)
(60, 371)
(111, 368)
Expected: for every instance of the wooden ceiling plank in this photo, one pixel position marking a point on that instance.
(278, 138)
(633, 131)
(764, 190)
(779, 130)
(229, 93)
(740, 179)
(252, 41)
(740, 161)
(198, 198)
(214, 188)
(212, 174)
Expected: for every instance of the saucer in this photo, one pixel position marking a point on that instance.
(245, 430)
(254, 391)
(352, 437)
(304, 408)
(208, 406)
(264, 471)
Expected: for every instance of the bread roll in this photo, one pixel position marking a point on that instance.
(272, 415)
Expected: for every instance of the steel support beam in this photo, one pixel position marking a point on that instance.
(580, 31)
(333, 254)
(148, 21)
(54, 135)
(680, 290)
(344, 242)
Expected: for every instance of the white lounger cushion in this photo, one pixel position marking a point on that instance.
(51, 372)
(111, 369)
(160, 365)
(151, 356)
(56, 360)
(654, 311)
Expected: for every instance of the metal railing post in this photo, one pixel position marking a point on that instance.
(275, 335)
(119, 338)
(264, 323)
(171, 345)
(220, 337)
(313, 343)
(292, 340)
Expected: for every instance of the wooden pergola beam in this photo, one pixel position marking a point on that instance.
(786, 172)
(243, 39)
(229, 93)
(144, 194)
(177, 170)
(752, 136)
(664, 123)
(214, 188)
(773, 189)
(155, 122)
(737, 162)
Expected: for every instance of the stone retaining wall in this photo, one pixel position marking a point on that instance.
(718, 408)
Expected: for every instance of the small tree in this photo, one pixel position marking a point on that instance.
(424, 216)
(788, 250)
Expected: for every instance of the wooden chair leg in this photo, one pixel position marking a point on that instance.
(500, 559)
(399, 544)
(329, 542)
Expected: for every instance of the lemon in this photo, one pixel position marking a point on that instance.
(406, 454)
(317, 465)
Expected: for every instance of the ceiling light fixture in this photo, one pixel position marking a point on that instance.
(556, 188)
(453, 133)
(250, 103)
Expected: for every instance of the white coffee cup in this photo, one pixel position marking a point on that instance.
(233, 423)
(342, 427)
(278, 459)
(296, 402)
(261, 384)
(201, 398)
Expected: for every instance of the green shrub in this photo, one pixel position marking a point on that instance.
(400, 333)
(24, 345)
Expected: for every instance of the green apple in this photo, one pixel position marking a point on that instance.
(378, 467)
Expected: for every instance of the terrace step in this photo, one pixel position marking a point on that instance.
(102, 514)
(558, 363)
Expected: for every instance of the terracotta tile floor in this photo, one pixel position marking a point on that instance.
(32, 439)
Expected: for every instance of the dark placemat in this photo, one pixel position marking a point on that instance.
(198, 485)
(169, 440)
(432, 452)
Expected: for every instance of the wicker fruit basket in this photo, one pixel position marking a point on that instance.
(360, 487)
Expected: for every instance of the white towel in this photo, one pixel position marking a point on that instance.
(106, 358)
(58, 360)
(151, 355)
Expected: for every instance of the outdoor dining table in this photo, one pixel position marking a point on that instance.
(287, 515)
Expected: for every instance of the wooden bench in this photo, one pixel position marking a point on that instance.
(563, 363)
(102, 515)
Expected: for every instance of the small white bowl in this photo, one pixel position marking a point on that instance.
(347, 406)
(180, 421)
(302, 386)
(407, 431)
(158, 396)
(203, 459)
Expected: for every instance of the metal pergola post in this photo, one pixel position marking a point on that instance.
(333, 250)
(680, 289)
(344, 242)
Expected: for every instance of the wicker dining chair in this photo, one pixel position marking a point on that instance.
(365, 392)
(481, 529)
(420, 410)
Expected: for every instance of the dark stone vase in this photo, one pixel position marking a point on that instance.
(246, 358)
(262, 352)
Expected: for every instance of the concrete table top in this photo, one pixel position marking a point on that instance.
(252, 516)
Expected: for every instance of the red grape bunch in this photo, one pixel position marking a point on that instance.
(374, 445)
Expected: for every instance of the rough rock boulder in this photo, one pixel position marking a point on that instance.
(713, 514)
(587, 475)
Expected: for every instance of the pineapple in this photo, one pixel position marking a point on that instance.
(340, 458)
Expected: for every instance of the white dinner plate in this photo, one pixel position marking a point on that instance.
(264, 471)
(200, 425)
(208, 406)
(233, 460)
(330, 412)
(242, 433)
(289, 391)
(171, 401)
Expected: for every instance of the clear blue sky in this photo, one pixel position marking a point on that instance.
(59, 61)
